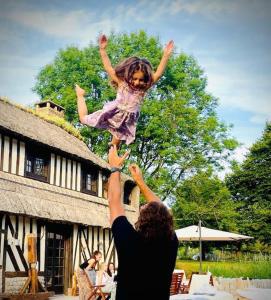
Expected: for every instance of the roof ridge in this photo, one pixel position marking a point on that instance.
(60, 122)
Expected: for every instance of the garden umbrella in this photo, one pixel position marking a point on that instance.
(200, 233)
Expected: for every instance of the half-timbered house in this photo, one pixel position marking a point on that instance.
(51, 185)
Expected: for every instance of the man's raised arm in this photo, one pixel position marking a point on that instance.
(114, 188)
(148, 194)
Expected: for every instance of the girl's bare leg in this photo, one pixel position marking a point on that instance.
(82, 108)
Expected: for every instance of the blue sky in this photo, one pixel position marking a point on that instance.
(229, 38)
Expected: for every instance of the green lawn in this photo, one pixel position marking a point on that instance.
(259, 269)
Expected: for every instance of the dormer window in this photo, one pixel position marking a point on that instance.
(90, 181)
(37, 164)
(128, 188)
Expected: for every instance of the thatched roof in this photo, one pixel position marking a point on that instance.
(24, 196)
(31, 126)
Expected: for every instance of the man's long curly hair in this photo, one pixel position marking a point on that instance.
(155, 222)
(125, 70)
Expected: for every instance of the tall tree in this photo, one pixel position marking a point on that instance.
(178, 130)
(250, 185)
(205, 197)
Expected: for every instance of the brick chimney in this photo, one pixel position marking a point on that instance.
(49, 108)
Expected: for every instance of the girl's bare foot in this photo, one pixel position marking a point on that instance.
(114, 141)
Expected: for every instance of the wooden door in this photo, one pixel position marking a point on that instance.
(57, 257)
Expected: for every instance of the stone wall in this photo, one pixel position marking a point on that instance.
(13, 285)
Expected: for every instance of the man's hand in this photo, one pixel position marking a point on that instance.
(136, 173)
(103, 41)
(113, 158)
(138, 178)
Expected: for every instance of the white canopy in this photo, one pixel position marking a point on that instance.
(191, 233)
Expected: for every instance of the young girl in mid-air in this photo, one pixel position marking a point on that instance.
(132, 78)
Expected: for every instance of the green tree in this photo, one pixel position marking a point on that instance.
(205, 197)
(250, 186)
(178, 131)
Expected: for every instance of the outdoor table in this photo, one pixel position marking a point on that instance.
(255, 293)
(219, 295)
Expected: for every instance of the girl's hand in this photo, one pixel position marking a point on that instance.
(169, 47)
(79, 91)
(103, 41)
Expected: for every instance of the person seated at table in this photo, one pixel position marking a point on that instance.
(111, 271)
(103, 278)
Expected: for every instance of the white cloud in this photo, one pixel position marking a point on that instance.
(239, 155)
(235, 88)
(260, 119)
(244, 92)
(238, 89)
(144, 11)
(53, 22)
(17, 69)
(16, 84)
(214, 9)
(23, 61)
(17, 75)
(207, 7)
(84, 25)
(151, 10)
(80, 26)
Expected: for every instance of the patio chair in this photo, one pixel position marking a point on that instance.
(88, 291)
(175, 286)
(180, 271)
(211, 280)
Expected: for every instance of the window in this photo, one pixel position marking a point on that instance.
(105, 186)
(128, 188)
(90, 181)
(37, 164)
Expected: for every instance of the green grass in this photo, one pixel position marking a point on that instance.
(259, 270)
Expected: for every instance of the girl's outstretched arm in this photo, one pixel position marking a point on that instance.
(163, 63)
(105, 59)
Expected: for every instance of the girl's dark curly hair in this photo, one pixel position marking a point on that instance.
(155, 222)
(125, 70)
(108, 269)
